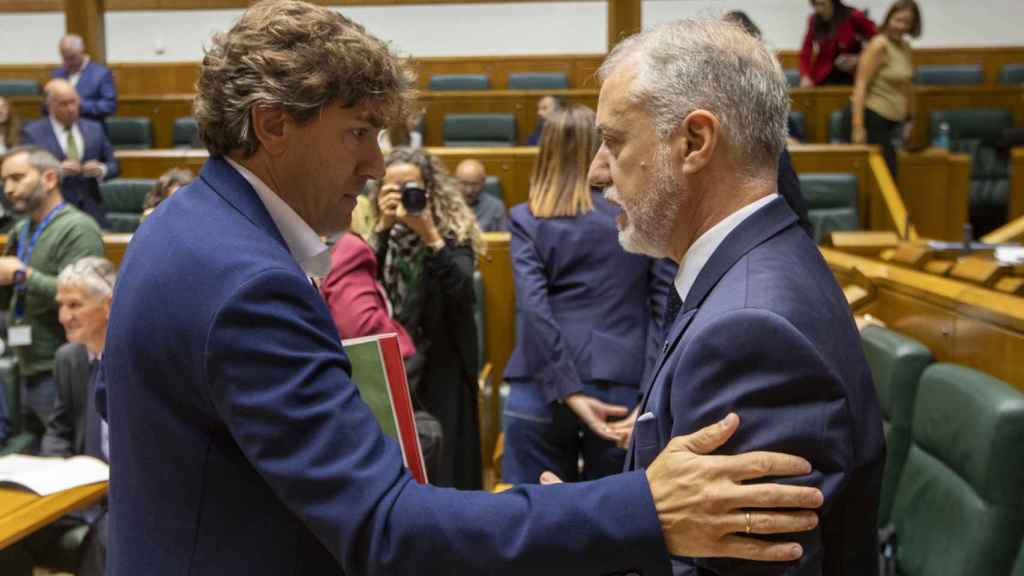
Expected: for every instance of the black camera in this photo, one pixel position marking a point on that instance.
(414, 198)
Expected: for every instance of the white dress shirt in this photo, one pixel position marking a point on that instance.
(704, 247)
(61, 133)
(73, 78)
(313, 256)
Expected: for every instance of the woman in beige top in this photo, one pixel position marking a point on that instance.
(883, 90)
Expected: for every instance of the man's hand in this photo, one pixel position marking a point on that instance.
(92, 169)
(71, 167)
(623, 429)
(8, 266)
(703, 504)
(595, 414)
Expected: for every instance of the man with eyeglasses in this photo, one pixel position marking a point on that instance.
(489, 210)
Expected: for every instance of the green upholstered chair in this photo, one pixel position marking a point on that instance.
(1011, 74)
(949, 75)
(184, 132)
(124, 199)
(831, 202)
(479, 130)
(130, 132)
(796, 125)
(896, 364)
(450, 82)
(977, 133)
(14, 87)
(958, 505)
(792, 77)
(537, 81)
(492, 186)
(835, 127)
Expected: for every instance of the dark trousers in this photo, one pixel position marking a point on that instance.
(38, 395)
(880, 131)
(543, 436)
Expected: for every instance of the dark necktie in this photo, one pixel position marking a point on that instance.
(675, 303)
(93, 430)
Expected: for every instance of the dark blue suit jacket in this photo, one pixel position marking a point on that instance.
(96, 89)
(240, 446)
(766, 332)
(586, 309)
(80, 191)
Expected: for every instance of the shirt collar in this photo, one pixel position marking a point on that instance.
(704, 247)
(312, 255)
(59, 128)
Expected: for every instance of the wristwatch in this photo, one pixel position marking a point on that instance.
(20, 274)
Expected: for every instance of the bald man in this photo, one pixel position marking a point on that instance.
(489, 210)
(93, 81)
(81, 145)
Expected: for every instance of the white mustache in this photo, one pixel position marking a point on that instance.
(611, 194)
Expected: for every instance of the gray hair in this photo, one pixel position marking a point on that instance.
(97, 275)
(39, 158)
(73, 42)
(710, 65)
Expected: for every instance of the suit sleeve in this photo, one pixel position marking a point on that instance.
(25, 138)
(452, 268)
(755, 363)
(58, 439)
(547, 355)
(109, 159)
(106, 103)
(285, 396)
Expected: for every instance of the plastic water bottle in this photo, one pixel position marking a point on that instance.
(942, 139)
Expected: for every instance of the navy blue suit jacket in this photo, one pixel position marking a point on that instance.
(96, 90)
(766, 332)
(586, 309)
(80, 191)
(240, 446)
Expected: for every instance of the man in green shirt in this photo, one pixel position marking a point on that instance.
(53, 235)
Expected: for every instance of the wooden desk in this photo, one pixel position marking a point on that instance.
(23, 512)
(959, 321)
(936, 186)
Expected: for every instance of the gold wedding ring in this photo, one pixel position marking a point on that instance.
(748, 522)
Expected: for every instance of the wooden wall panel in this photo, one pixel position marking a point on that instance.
(1016, 209)
(31, 6)
(935, 186)
(931, 98)
(579, 68)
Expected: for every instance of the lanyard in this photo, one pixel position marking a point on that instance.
(25, 247)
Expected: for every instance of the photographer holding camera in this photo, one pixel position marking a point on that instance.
(427, 241)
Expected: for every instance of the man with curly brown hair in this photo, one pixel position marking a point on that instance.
(239, 444)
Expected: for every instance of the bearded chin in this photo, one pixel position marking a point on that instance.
(648, 228)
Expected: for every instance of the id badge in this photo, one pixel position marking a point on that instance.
(19, 335)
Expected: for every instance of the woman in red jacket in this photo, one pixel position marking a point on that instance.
(835, 35)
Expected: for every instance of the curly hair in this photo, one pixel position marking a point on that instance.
(452, 216)
(297, 56)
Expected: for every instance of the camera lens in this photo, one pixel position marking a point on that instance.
(414, 198)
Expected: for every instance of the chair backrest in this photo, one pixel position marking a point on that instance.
(958, 505)
(977, 132)
(831, 201)
(896, 363)
(480, 130)
(537, 81)
(448, 82)
(124, 199)
(130, 132)
(184, 132)
(1011, 74)
(948, 75)
(797, 125)
(492, 186)
(478, 317)
(792, 77)
(15, 87)
(835, 127)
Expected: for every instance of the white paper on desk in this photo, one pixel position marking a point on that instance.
(45, 476)
(1010, 254)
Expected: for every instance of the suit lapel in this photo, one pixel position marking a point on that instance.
(51, 138)
(89, 151)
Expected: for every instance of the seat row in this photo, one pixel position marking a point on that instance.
(946, 75)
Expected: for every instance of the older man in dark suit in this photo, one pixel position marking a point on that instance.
(86, 156)
(693, 119)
